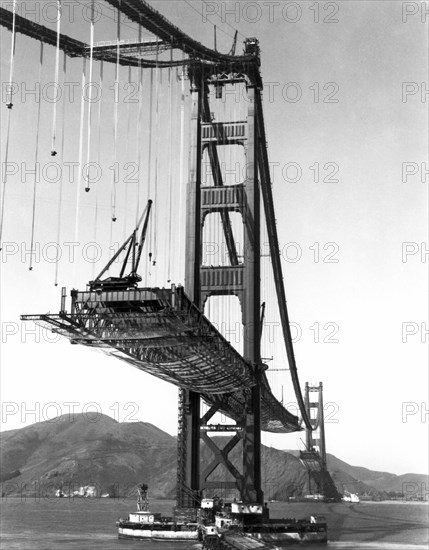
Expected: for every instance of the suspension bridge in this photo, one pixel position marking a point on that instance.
(166, 301)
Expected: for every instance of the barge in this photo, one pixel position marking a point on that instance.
(220, 525)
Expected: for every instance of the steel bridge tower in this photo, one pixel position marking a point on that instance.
(314, 457)
(240, 279)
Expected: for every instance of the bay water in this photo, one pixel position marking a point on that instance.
(90, 524)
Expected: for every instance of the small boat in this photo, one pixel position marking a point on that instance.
(315, 497)
(145, 525)
(350, 497)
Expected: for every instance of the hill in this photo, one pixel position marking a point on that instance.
(72, 451)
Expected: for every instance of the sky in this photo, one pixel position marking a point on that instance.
(345, 105)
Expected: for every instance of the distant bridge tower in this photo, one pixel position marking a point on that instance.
(239, 279)
(315, 439)
(314, 457)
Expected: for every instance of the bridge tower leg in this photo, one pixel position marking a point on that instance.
(240, 279)
(188, 472)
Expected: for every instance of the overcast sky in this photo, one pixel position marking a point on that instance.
(345, 103)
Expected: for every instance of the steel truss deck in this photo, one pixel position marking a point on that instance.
(161, 332)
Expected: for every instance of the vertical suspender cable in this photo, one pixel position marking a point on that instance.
(9, 105)
(155, 217)
(149, 165)
(79, 180)
(170, 172)
(57, 71)
(139, 125)
(62, 164)
(127, 152)
(118, 55)
(91, 63)
(181, 151)
(100, 103)
(36, 159)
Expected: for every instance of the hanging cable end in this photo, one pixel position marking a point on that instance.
(53, 153)
(9, 105)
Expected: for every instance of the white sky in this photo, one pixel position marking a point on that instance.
(370, 375)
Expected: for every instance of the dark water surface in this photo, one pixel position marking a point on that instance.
(81, 524)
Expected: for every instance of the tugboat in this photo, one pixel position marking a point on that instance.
(145, 525)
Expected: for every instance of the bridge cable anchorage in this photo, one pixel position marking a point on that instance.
(91, 63)
(60, 200)
(57, 71)
(36, 159)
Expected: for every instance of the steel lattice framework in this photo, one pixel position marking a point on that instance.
(162, 333)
